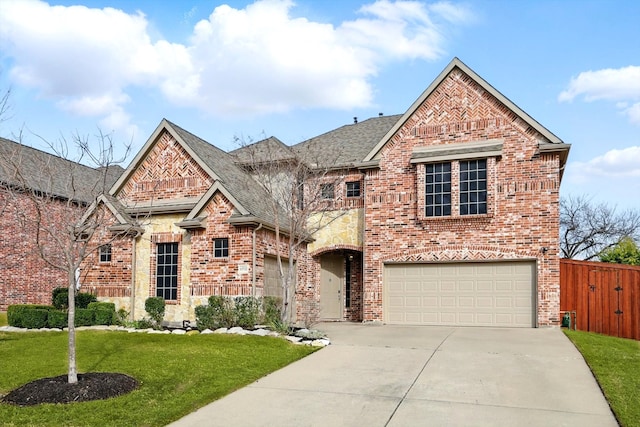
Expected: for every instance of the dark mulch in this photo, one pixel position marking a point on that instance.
(90, 386)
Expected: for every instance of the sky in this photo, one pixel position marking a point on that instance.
(246, 70)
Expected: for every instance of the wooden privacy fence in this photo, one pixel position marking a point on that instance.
(605, 297)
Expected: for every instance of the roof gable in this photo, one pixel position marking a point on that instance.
(453, 65)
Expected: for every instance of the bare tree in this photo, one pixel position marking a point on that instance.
(301, 197)
(49, 195)
(587, 228)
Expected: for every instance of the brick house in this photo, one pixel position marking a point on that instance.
(66, 189)
(446, 215)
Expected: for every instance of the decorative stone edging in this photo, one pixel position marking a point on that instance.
(302, 336)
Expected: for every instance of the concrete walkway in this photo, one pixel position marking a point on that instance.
(374, 375)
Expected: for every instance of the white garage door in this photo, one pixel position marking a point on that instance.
(460, 294)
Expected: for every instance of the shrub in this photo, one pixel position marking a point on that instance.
(204, 318)
(122, 317)
(103, 316)
(57, 319)
(35, 318)
(102, 305)
(59, 298)
(143, 324)
(222, 311)
(15, 313)
(271, 310)
(84, 317)
(247, 311)
(83, 299)
(155, 307)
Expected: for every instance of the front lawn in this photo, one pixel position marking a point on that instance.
(177, 373)
(615, 362)
(3, 318)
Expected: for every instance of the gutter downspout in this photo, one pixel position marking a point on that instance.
(254, 261)
(133, 275)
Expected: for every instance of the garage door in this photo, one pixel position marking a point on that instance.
(460, 294)
(272, 283)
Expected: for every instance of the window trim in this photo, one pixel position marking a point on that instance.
(352, 190)
(160, 291)
(105, 253)
(455, 190)
(325, 188)
(225, 248)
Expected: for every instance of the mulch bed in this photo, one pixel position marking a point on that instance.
(90, 386)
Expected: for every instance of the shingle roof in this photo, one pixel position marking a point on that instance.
(348, 145)
(21, 166)
(237, 181)
(268, 150)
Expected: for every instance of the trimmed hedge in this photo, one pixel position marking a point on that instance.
(58, 319)
(84, 317)
(102, 305)
(35, 318)
(45, 316)
(103, 316)
(16, 313)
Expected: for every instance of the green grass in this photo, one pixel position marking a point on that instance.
(178, 373)
(3, 318)
(615, 362)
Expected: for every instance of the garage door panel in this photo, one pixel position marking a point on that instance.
(469, 294)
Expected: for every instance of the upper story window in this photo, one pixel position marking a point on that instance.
(438, 189)
(104, 253)
(473, 187)
(454, 180)
(327, 191)
(221, 248)
(353, 189)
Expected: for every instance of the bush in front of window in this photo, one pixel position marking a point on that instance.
(155, 307)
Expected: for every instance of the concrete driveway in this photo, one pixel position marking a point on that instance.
(381, 375)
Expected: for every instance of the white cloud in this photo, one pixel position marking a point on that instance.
(616, 163)
(238, 61)
(621, 85)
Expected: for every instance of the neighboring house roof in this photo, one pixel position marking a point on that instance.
(22, 166)
(235, 183)
(348, 145)
(456, 63)
(266, 151)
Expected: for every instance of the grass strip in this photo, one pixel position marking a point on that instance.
(178, 373)
(615, 362)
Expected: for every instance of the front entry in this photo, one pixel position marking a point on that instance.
(331, 278)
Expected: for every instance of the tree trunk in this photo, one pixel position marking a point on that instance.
(73, 373)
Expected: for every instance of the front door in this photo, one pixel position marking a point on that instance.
(331, 277)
